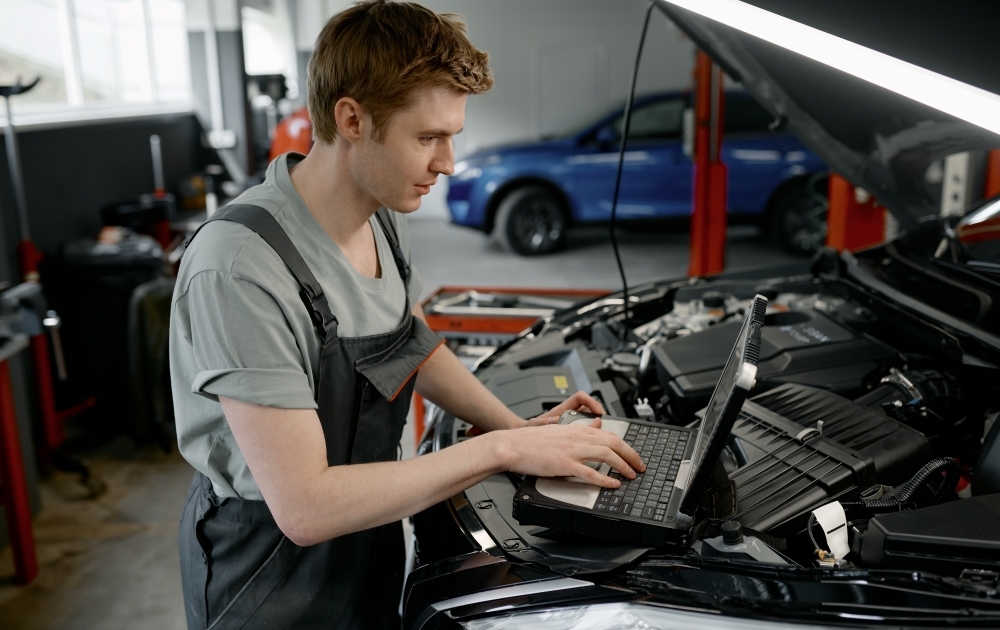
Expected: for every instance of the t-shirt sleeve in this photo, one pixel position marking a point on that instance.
(243, 346)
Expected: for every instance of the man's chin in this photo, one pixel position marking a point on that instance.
(408, 206)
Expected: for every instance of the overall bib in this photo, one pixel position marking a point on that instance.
(238, 570)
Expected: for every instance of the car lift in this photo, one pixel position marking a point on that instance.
(708, 218)
(854, 219)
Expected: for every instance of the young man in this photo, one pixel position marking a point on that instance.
(296, 343)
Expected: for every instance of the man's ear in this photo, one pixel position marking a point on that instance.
(352, 122)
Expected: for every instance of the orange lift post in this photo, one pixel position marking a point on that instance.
(993, 173)
(854, 219)
(708, 217)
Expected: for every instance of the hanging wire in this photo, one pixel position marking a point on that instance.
(626, 120)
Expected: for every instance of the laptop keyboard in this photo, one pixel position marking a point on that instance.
(647, 495)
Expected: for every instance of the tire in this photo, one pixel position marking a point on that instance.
(799, 217)
(531, 221)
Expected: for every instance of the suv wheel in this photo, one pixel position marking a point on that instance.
(800, 216)
(531, 221)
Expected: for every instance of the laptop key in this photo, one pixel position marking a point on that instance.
(647, 512)
(626, 508)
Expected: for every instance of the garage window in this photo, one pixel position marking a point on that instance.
(94, 54)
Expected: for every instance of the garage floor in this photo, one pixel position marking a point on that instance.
(112, 562)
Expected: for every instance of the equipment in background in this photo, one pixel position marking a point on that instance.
(14, 495)
(266, 94)
(29, 295)
(660, 505)
(149, 361)
(478, 320)
(152, 213)
(91, 282)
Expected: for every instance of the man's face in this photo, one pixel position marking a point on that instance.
(416, 147)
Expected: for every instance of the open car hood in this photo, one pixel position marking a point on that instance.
(876, 139)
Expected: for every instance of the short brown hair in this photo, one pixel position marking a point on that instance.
(378, 52)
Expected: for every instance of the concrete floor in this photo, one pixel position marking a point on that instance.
(112, 562)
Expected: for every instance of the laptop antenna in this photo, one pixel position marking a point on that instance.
(626, 119)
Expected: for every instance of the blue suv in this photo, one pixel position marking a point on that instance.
(529, 194)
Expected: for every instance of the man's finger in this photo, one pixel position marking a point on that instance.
(590, 475)
(595, 423)
(611, 458)
(628, 453)
(586, 402)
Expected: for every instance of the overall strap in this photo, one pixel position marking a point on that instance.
(266, 226)
(397, 254)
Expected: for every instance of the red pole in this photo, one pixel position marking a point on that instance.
(993, 173)
(853, 221)
(708, 216)
(15, 489)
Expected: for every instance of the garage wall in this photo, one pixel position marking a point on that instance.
(593, 41)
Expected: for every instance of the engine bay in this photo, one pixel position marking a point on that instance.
(897, 419)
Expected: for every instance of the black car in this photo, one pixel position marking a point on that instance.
(891, 355)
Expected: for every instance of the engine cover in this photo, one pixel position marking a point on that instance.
(804, 347)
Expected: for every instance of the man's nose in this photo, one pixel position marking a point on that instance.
(444, 159)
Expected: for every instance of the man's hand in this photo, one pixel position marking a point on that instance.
(579, 401)
(562, 450)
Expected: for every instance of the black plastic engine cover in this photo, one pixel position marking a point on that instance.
(796, 347)
(896, 449)
(946, 539)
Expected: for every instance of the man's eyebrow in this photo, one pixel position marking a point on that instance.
(440, 132)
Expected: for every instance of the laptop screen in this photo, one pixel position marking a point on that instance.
(723, 406)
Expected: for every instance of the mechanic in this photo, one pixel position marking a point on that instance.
(296, 340)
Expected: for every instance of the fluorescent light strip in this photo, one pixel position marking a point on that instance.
(961, 100)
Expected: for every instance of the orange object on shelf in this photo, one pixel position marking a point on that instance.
(854, 219)
(491, 315)
(294, 133)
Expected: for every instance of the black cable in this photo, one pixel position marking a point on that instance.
(951, 468)
(626, 120)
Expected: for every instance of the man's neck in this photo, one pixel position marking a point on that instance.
(323, 180)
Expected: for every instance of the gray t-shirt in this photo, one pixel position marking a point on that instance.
(239, 329)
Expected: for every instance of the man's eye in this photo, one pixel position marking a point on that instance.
(428, 139)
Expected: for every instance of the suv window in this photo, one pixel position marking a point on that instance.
(745, 115)
(656, 120)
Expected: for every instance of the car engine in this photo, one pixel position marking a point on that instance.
(887, 395)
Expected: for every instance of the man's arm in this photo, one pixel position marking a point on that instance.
(446, 382)
(313, 502)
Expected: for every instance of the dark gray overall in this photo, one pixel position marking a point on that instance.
(237, 568)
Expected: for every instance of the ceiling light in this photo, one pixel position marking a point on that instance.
(961, 100)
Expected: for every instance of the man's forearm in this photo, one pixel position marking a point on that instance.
(450, 385)
(345, 499)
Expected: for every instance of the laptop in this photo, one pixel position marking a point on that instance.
(658, 506)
